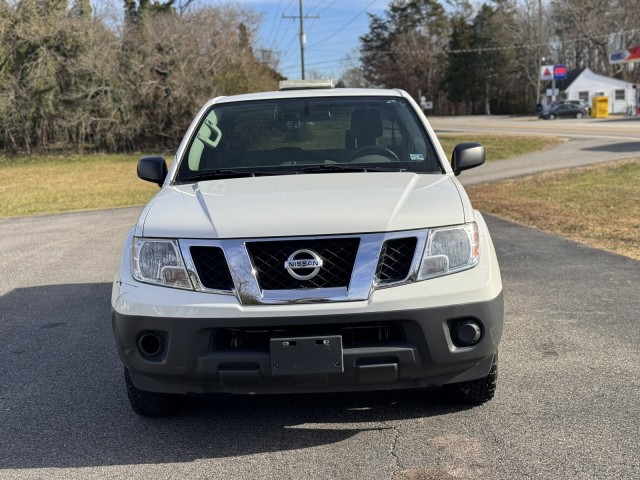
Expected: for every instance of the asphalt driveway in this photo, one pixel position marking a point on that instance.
(566, 405)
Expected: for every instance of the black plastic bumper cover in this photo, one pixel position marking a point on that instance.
(425, 356)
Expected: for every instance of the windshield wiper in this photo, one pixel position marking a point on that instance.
(223, 173)
(232, 173)
(344, 168)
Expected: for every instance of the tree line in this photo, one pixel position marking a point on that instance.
(73, 80)
(486, 57)
(69, 80)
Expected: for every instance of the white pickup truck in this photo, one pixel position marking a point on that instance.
(310, 239)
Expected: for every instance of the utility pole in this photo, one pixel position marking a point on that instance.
(540, 57)
(303, 38)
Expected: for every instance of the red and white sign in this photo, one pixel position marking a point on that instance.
(631, 54)
(546, 72)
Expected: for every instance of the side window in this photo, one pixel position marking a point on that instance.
(619, 95)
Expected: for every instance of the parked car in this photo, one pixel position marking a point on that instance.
(564, 110)
(583, 103)
(308, 240)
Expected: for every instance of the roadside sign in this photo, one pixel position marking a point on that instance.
(619, 56)
(425, 104)
(546, 72)
(634, 54)
(559, 72)
(631, 54)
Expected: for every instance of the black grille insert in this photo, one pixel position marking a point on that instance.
(212, 267)
(353, 335)
(395, 259)
(338, 256)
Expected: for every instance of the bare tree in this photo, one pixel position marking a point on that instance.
(67, 81)
(587, 31)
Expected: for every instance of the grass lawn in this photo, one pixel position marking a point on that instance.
(499, 147)
(63, 183)
(598, 205)
(52, 184)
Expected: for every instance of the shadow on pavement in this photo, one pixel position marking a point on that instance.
(619, 119)
(622, 147)
(63, 402)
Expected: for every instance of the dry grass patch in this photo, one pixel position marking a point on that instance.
(598, 205)
(38, 185)
(499, 147)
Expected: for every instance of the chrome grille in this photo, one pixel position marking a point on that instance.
(352, 266)
(395, 259)
(338, 255)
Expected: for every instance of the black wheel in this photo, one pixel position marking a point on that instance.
(373, 150)
(578, 115)
(150, 404)
(476, 391)
(552, 116)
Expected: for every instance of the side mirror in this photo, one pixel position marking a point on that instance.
(466, 156)
(152, 169)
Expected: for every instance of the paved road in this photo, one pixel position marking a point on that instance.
(588, 141)
(612, 128)
(566, 406)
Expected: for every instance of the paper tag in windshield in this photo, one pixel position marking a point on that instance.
(416, 156)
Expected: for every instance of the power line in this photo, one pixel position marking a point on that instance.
(289, 53)
(345, 25)
(320, 13)
(313, 5)
(328, 7)
(313, 64)
(271, 38)
(515, 46)
(542, 44)
(280, 31)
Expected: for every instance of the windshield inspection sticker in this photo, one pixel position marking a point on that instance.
(416, 156)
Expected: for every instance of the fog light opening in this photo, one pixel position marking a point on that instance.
(150, 344)
(466, 333)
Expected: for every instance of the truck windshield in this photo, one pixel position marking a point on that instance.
(288, 136)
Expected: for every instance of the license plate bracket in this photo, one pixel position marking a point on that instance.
(306, 355)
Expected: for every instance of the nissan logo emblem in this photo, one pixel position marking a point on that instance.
(302, 261)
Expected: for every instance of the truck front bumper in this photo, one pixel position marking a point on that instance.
(413, 348)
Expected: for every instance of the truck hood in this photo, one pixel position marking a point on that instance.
(299, 205)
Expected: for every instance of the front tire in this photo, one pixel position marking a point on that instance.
(552, 116)
(478, 391)
(150, 404)
(578, 115)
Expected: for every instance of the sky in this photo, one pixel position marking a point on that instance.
(331, 37)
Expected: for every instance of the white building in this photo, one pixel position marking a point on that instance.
(583, 84)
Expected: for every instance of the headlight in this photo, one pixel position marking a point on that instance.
(159, 262)
(450, 250)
